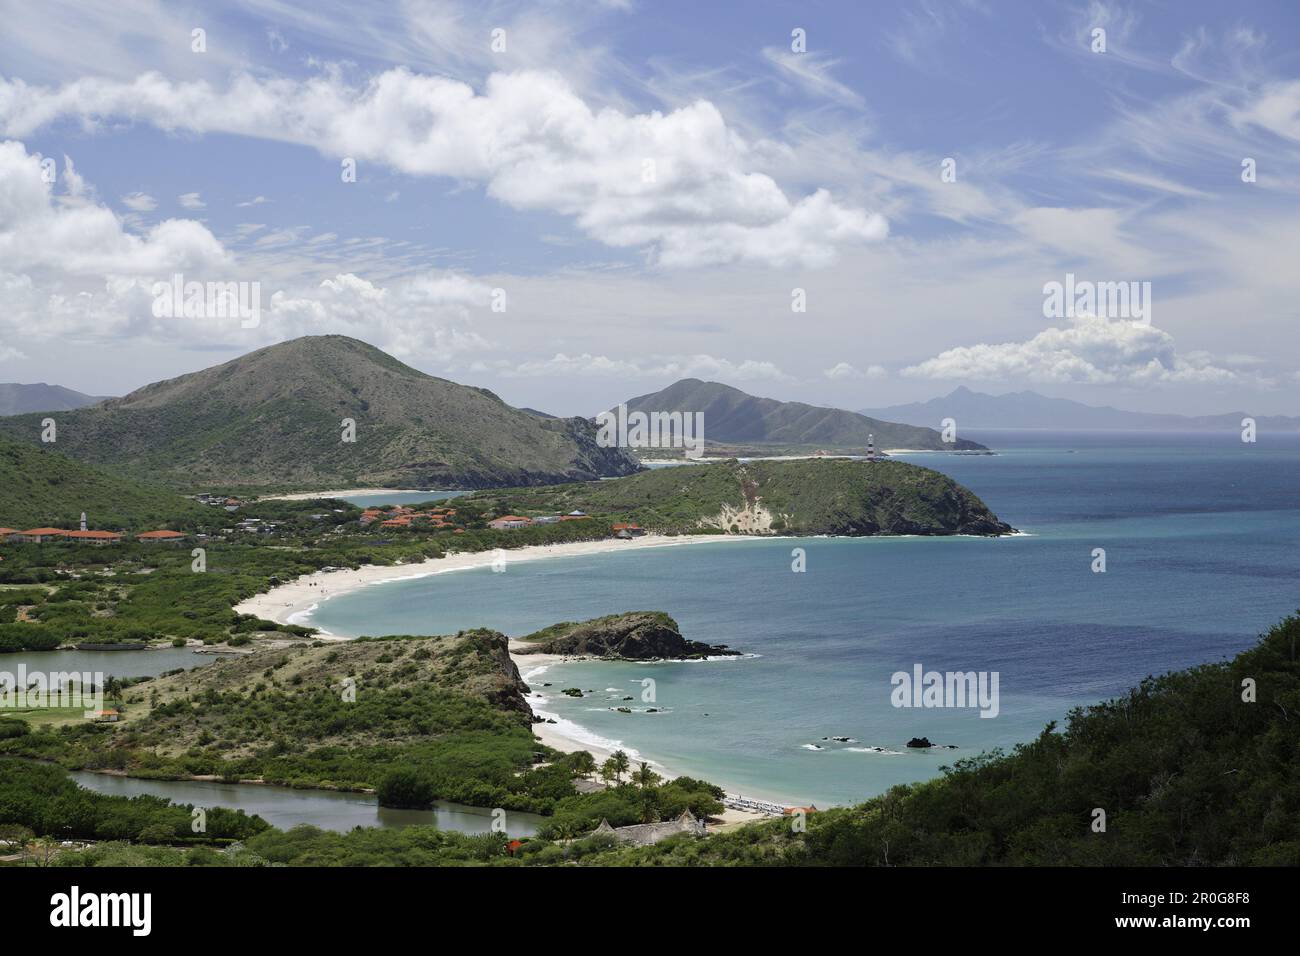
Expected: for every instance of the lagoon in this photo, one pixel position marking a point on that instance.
(285, 807)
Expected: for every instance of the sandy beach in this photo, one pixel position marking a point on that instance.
(348, 493)
(566, 736)
(293, 602)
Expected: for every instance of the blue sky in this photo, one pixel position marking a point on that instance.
(524, 171)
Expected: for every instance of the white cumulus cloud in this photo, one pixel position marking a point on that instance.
(843, 370)
(681, 185)
(37, 231)
(139, 202)
(1090, 350)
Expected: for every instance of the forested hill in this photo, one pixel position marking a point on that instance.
(40, 487)
(806, 496)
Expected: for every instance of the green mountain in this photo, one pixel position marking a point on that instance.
(43, 488)
(274, 419)
(805, 496)
(16, 399)
(733, 417)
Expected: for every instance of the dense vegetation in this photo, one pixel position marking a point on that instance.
(44, 801)
(43, 487)
(274, 419)
(813, 496)
(416, 718)
(336, 716)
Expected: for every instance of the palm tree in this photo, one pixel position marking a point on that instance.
(609, 770)
(644, 777)
(621, 764)
(113, 689)
(584, 764)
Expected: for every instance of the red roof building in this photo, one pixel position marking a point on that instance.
(39, 535)
(161, 537)
(93, 537)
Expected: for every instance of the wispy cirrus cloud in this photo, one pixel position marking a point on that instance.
(812, 71)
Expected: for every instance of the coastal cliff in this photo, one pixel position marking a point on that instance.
(633, 636)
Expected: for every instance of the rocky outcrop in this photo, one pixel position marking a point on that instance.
(634, 636)
(502, 685)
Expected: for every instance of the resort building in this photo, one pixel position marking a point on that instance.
(628, 531)
(506, 522)
(97, 538)
(6, 532)
(645, 834)
(161, 537)
(38, 535)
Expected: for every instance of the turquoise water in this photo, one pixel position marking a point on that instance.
(1200, 536)
(401, 498)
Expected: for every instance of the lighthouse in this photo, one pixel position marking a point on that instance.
(871, 448)
(83, 521)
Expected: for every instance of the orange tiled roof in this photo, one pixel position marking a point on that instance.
(148, 535)
(44, 531)
(92, 535)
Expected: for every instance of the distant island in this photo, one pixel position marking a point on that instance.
(1030, 410)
